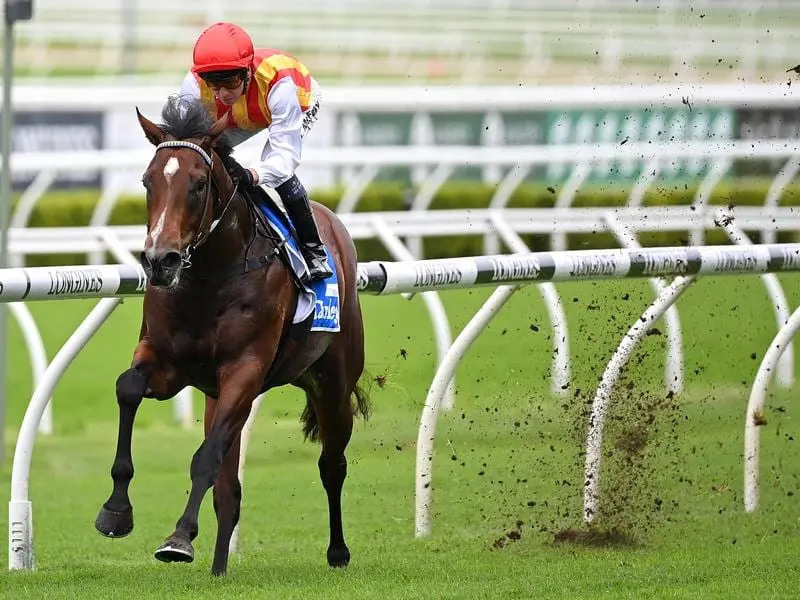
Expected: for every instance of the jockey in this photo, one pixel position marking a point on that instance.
(263, 89)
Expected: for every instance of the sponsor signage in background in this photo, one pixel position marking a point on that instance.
(637, 125)
(374, 129)
(57, 132)
(518, 128)
(765, 124)
(460, 129)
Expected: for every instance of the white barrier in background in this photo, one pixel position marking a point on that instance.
(506, 272)
(508, 224)
(581, 158)
(419, 221)
(80, 96)
(754, 418)
(523, 40)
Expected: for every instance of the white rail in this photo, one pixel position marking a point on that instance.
(506, 272)
(509, 224)
(75, 97)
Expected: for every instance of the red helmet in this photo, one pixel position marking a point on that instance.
(222, 47)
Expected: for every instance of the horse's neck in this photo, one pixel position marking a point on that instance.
(229, 241)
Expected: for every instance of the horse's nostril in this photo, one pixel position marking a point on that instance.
(145, 261)
(171, 261)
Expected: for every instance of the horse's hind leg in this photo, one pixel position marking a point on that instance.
(335, 378)
(334, 422)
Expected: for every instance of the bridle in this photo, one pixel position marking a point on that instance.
(203, 233)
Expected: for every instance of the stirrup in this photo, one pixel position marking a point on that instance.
(317, 263)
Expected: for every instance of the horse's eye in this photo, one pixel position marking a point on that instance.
(201, 186)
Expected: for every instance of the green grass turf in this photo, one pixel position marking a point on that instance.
(509, 461)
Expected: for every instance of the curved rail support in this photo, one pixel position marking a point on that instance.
(427, 426)
(782, 179)
(32, 194)
(423, 200)
(673, 367)
(20, 513)
(433, 302)
(102, 214)
(37, 355)
(755, 407)
(594, 440)
(785, 366)
(565, 198)
(356, 188)
(646, 178)
(555, 310)
(513, 179)
(704, 191)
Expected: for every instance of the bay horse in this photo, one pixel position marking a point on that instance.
(217, 315)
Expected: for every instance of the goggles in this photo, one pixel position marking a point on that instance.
(228, 81)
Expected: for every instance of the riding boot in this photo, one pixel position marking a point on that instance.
(295, 199)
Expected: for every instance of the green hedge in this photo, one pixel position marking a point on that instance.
(74, 208)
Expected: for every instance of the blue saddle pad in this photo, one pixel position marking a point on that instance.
(324, 294)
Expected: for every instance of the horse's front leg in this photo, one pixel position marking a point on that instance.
(240, 382)
(116, 516)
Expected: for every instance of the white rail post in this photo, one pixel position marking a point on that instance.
(673, 366)
(102, 213)
(20, 511)
(32, 194)
(780, 304)
(704, 191)
(513, 179)
(565, 197)
(445, 372)
(555, 310)
(755, 407)
(594, 440)
(432, 300)
(782, 179)
(37, 355)
(646, 178)
(356, 188)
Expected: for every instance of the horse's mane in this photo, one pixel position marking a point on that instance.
(185, 117)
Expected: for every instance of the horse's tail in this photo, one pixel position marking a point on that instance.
(359, 400)
(362, 406)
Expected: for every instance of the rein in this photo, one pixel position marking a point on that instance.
(202, 235)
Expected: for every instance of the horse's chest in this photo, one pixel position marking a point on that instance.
(210, 334)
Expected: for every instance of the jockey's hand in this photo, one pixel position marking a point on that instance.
(244, 178)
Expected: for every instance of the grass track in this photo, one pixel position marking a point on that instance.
(509, 452)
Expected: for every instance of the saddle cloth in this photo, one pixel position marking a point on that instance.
(319, 297)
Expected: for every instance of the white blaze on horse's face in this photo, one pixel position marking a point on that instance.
(170, 169)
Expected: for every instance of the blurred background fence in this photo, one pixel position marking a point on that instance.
(455, 41)
(460, 76)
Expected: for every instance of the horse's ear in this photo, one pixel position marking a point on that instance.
(151, 131)
(216, 130)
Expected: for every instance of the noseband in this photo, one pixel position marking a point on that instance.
(202, 234)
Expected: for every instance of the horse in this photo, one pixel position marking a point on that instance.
(217, 316)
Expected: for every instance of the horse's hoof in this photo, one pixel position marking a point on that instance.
(338, 557)
(175, 549)
(114, 524)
